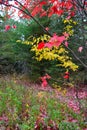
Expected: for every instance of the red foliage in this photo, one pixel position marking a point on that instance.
(44, 80)
(41, 124)
(3, 118)
(66, 76)
(55, 41)
(67, 73)
(36, 7)
(52, 7)
(14, 26)
(7, 27)
(40, 45)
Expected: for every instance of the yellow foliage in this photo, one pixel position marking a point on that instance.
(58, 53)
(69, 26)
(70, 21)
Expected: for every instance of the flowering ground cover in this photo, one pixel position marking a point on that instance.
(27, 106)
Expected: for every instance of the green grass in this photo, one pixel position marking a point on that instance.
(26, 108)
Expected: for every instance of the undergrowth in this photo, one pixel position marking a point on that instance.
(27, 108)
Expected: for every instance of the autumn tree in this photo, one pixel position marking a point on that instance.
(70, 11)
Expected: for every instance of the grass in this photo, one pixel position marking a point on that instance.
(27, 108)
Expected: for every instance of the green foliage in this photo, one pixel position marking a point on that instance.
(35, 29)
(13, 56)
(68, 126)
(17, 57)
(56, 24)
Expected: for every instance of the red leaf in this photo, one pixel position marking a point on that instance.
(66, 43)
(48, 76)
(44, 83)
(72, 14)
(66, 77)
(7, 27)
(80, 49)
(54, 8)
(68, 5)
(47, 28)
(49, 45)
(36, 10)
(16, 2)
(60, 12)
(43, 13)
(41, 45)
(57, 40)
(43, 3)
(66, 73)
(14, 26)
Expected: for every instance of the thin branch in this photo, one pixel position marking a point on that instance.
(29, 14)
(76, 57)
